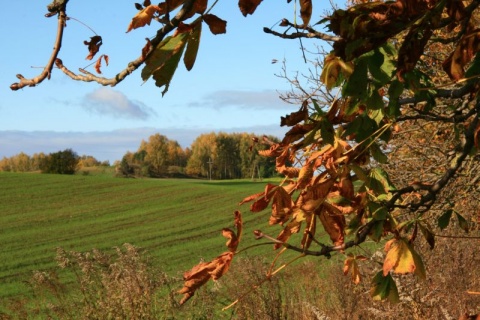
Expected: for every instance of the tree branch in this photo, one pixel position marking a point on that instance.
(441, 93)
(428, 199)
(360, 237)
(47, 71)
(133, 65)
(312, 33)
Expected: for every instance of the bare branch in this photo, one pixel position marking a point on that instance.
(311, 33)
(428, 199)
(47, 71)
(133, 65)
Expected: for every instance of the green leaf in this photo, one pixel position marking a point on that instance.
(327, 132)
(374, 100)
(163, 62)
(394, 91)
(353, 225)
(428, 234)
(192, 46)
(384, 287)
(377, 231)
(377, 153)
(379, 182)
(381, 66)
(317, 107)
(462, 223)
(359, 171)
(444, 219)
(362, 126)
(356, 85)
(377, 211)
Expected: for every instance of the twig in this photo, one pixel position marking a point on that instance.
(47, 71)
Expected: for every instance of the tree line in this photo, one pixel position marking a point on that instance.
(61, 162)
(211, 156)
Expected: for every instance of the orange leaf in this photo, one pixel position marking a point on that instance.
(202, 272)
(93, 46)
(232, 242)
(351, 265)
(144, 17)
(248, 6)
(216, 25)
(238, 224)
(98, 65)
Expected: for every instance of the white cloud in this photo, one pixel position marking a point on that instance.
(110, 102)
(266, 99)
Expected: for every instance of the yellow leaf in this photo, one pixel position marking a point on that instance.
(402, 258)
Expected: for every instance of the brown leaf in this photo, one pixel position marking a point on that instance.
(216, 25)
(182, 28)
(306, 11)
(144, 17)
(93, 46)
(238, 224)
(476, 137)
(281, 206)
(146, 49)
(98, 64)
(248, 6)
(200, 6)
(297, 132)
(291, 228)
(295, 117)
(202, 272)
(333, 224)
(462, 55)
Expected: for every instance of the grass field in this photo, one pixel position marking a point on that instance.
(178, 222)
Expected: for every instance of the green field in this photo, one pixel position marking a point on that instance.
(178, 222)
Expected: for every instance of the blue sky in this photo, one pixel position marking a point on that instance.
(233, 86)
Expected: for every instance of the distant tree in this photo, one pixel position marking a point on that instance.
(61, 162)
(204, 154)
(131, 165)
(21, 162)
(37, 160)
(87, 161)
(5, 164)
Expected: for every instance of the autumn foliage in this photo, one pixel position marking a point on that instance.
(392, 66)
